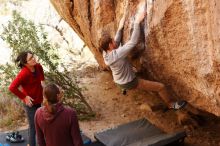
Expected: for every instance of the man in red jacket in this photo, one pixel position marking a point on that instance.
(55, 124)
(28, 87)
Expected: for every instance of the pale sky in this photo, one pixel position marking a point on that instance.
(41, 11)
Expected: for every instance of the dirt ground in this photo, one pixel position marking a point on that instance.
(113, 108)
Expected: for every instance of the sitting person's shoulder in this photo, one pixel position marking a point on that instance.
(39, 110)
(69, 110)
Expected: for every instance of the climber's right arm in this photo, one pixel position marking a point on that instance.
(123, 51)
(118, 35)
(127, 47)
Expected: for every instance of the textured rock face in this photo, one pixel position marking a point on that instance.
(179, 44)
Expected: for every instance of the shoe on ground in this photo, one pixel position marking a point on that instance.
(14, 137)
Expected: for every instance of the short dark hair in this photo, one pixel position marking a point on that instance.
(104, 43)
(21, 59)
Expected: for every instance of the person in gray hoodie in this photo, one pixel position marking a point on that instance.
(115, 56)
(55, 124)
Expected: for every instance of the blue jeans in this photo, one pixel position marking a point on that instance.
(30, 111)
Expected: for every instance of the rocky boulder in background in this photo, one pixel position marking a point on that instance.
(179, 44)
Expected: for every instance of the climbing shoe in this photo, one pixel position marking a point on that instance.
(178, 105)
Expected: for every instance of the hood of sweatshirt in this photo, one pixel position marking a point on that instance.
(50, 117)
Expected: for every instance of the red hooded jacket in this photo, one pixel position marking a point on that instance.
(58, 129)
(30, 83)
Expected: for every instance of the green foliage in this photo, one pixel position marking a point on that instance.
(21, 35)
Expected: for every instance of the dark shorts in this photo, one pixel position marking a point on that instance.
(130, 85)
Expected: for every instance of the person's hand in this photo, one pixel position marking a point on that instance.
(122, 22)
(141, 12)
(134, 69)
(28, 101)
(43, 84)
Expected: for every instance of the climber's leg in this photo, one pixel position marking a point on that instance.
(161, 89)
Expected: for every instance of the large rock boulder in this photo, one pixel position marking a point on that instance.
(179, 43)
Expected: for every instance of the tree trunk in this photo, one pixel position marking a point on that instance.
(179, 43)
